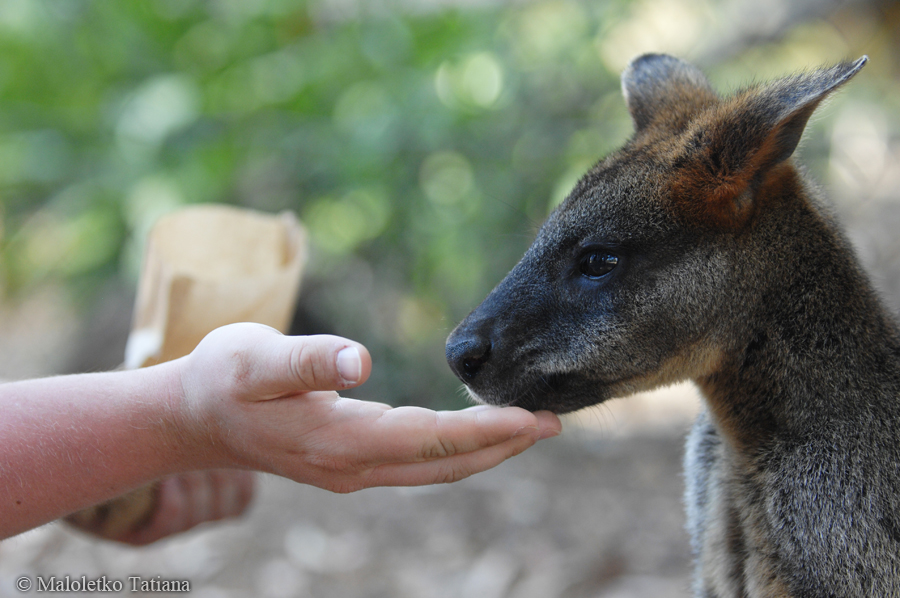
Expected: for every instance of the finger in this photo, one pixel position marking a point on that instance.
(292, 364)
(411, 434)
(224, 492)
(246, 490)
(232, 490)
(186, 500)
(443, 471)
(548, 424)
(198, 489)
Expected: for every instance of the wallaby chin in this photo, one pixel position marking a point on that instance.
(546, 395)
(698, 251)
(563, 393)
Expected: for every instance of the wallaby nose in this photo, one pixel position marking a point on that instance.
(466, 354)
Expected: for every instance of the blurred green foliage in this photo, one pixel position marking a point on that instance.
(421, 148)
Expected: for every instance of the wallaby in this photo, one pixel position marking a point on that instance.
(698, 251)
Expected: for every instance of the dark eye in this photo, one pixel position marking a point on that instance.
(597, 264)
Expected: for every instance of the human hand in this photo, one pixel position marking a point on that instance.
(189, 499)
(176, 504)
(254, 398)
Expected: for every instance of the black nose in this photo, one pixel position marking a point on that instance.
(467, 353)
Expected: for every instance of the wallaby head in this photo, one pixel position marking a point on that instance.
(654, 267)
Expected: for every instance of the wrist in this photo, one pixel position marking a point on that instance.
(199, 411)
(187, 432)
(167, 415)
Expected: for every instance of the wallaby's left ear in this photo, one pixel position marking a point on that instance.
(663, 91)
(740, 140)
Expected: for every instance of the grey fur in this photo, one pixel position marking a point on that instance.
(729, 273)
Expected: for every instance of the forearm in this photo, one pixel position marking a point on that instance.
(69, 442)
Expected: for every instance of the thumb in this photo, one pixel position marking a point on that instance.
(307, 363)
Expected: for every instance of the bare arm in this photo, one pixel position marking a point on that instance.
(247, 397)
(71, 441)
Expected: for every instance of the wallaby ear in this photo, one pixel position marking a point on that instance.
(736, 144)
(660, 88)
(773, 118)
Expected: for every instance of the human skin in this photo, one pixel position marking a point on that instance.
(246, 398)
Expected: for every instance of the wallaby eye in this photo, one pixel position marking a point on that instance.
(597, 264)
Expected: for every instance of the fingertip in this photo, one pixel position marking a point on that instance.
(366, 362)
(507, 422)
(320, 362)
(353, 364)
(549, 424)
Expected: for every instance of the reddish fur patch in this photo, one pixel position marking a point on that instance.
(721, 171)
(726, 203)
(709, 200)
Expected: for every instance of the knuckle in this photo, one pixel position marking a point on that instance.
(437, 448)
(449, 475)
(300, 363)
(439, 445)
(346, 486)
(307, 366)
(341, 465)
(241, 367)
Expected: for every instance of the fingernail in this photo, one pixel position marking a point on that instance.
(349, 365)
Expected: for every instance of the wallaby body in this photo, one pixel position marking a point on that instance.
(699, 251)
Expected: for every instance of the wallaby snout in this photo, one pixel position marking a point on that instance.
(493, 345)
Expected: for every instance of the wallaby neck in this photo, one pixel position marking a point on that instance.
(818, 344)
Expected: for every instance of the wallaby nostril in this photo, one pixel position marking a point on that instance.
(468, 355)
(471, 365)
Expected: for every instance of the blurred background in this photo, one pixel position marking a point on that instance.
(422, 142)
